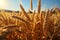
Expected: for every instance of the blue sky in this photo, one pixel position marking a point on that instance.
(45, 4)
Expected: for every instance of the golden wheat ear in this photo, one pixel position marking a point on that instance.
(10, 26)
(28, 26)
(57, 11)
(2, 16)
(33, 16)
(4, 19)
(24, 12)
(31, 5)
(20, 19)
(39, 6)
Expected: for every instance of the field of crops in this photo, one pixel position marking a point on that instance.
(32, 25)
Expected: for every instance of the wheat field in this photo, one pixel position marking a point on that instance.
(32, 25)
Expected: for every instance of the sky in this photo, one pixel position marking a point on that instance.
(15, 4)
